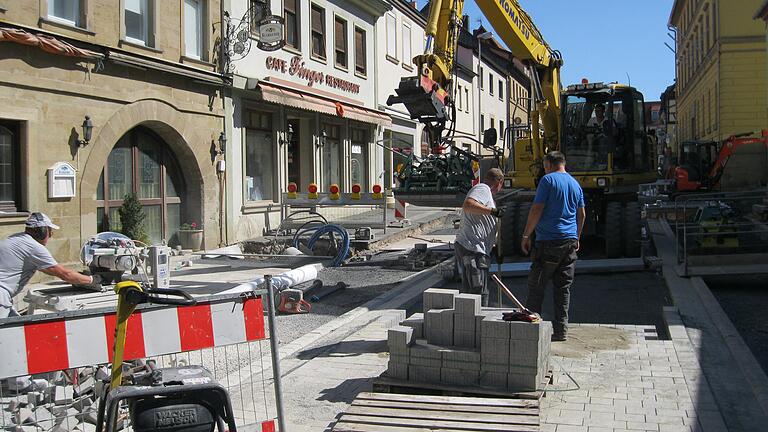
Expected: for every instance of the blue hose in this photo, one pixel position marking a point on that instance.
(327, 229)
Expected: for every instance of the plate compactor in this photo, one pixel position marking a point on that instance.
(176, 399)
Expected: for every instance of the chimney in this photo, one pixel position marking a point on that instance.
(465, 22)
(413, 4)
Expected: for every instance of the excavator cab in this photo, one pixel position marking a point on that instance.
(696, 159)
(604, 136)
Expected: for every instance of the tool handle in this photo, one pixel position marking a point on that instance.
(508, 292)
(177, 297)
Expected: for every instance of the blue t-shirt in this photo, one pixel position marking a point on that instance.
(562, 196)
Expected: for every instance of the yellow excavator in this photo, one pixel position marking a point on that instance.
(609, 154)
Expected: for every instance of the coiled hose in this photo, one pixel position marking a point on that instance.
(329, 229)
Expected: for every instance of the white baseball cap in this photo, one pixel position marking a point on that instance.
(37, 220)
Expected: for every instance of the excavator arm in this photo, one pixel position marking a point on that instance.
(729, 147)
(516, 29)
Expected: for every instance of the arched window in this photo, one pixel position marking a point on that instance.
(142, 164)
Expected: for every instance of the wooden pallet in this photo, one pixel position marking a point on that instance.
(391, 412)
(385, 384)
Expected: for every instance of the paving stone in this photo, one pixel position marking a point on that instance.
(399, 339)
(461, 377)
(437, 298)
(494, 328)
(523, 382)
(453, 364)
(416, 322)
(494, 350)
(465, 323)
(423, 374)
(524, 330)
(462, 355)
(464, 339)
(467, 304)
(493, 379)
(525, 353)
(397, 370)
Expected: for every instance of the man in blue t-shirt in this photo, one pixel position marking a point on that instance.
(557, 216)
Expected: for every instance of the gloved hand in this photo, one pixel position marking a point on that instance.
(95, 283)
(498, 212)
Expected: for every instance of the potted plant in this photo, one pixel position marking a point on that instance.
(191, 236)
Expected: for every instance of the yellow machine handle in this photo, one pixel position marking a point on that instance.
(125, 308)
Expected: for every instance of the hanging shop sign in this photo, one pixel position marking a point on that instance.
(271, 33)
(296, 67)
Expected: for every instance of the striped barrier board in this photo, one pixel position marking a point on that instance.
(64, 343)
(401, 208)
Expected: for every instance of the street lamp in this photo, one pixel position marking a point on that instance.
(480, 38)
(222, 143)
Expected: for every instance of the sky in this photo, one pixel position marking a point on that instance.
(604, 40)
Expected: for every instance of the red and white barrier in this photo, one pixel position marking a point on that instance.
(60, 344)
(400, 209)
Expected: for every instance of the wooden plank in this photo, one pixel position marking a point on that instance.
(343, 426)
(458, 417)
(390, 385)
(486, 402)
(446, 407)
(437, 424)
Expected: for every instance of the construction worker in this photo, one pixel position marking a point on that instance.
(477, 234)
(557, 217)
(25, 253)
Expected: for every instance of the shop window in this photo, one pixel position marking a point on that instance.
(193, 28)
(407, 49)
(10, 175)
(331, 156)
(340, 42)
(292, 24)
(359, 157)
(139, 22)
(259, 157)
(392, 37)
(360, 52)
(66, 11)
(318, 32)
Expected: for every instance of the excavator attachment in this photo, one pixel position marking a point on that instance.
(422, 97)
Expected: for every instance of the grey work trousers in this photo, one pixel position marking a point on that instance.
(553, 260)
(473, 268)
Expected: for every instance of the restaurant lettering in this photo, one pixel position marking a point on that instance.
(296, 67)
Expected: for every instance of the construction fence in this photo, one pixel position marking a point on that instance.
(55, 368)
(721, 228)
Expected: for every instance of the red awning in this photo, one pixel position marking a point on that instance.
(284, 95)
(46, 43)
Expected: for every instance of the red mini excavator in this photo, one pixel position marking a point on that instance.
(702, 162)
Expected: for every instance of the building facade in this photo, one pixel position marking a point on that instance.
(399, 37)
(720, 76)
(143, 74)
(306, 113)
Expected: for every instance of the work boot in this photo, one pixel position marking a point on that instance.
(558, 337)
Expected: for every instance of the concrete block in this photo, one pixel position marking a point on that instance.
(63, 395)
(437, 298)
(467, 304)
(460, 377)
(11, 404)
(35, 398)
(102, 374)
(524, 370)
(399, 339)
(421, 349)
(519, 330)
(496, 328)
(439, 327)
(495, 367)
(86, 385)
(464, 322)
(464, 339)
(523, 382)
(23, 415)
(426, 362)
(524, 353)
(453, 364)
(494, 350)
(85, 402)
(397, 370)
(398, 358)
(461, 355)
(493, 379)
(416, 322)
(478, 329)
(423, 374)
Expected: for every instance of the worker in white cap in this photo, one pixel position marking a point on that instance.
(24, 253)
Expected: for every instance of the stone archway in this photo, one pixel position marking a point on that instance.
(172, 126)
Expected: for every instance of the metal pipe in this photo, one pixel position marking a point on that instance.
(273, 344)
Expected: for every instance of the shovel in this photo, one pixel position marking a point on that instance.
(512, 297)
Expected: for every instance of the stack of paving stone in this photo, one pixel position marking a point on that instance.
(54, 404)
(457, 342)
